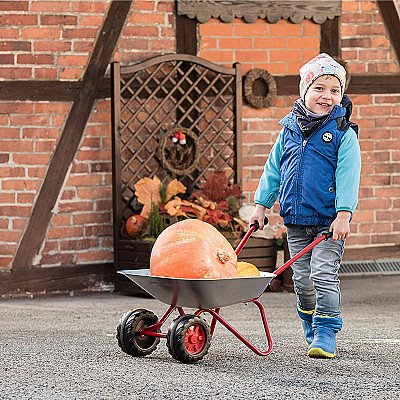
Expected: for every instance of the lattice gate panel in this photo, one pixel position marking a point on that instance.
(151, 102)
(155, 99)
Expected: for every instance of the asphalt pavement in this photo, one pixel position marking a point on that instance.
(65, 348)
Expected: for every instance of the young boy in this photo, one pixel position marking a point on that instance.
(314, 171)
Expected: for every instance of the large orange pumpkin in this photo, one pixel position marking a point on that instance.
(192, 249)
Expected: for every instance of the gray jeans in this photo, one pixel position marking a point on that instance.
(315, 275)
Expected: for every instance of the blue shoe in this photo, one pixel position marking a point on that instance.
(306, 317)
(324, 343)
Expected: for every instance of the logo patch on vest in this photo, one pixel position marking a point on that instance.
(327, 137)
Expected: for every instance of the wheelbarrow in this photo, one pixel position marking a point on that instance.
(189, 335)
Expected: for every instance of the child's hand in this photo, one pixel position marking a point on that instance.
(341, 226)
(258, 215)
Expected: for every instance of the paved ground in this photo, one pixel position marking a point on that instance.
(65, 348)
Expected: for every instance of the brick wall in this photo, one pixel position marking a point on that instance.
(53, 40)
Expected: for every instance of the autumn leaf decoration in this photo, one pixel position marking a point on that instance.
(148, 192)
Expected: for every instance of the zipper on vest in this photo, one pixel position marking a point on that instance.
(303, 145)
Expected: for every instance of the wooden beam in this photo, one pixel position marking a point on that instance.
(186, 35)
(287, 85)
(391, 20)
(330, 38)
(36, 280)
(70, 138)
(65, 91)
(359, 84)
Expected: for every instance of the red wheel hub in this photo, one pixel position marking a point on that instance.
(195, 339)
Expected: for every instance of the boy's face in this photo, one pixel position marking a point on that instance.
(323, 94)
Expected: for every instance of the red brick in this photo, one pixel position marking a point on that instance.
(18, 19)
(391, 215)
(15, 108)
(98, 230)
(38, 120)
(85, 33)
(91, 20)
(76, 206)
(15, 45)
(12, 172)
(78, 244)
(45, 73)
(42, 133)
(72, 60)
(14, 5)
(31, 159)
(55, 6)
(94, 193)
(85, 180)
(25, 198)
(65, 232)
(104, 205)
(71, 73)
(61, 220)
(89, 6)
(385, 239)
(9, 33)
(15, 73)
(44, 146)
(4, 158)
(62, 20)
(9, 133)
(68, 195)
(20, 146)
(15, 211)
(58, 258)
(219, 30)
(52, 46)
(35, 59)
(40, 33)
(6, 198)
(92, 218)
(284, 28)
(83, 46)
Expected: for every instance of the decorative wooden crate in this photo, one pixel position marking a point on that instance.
(135, 254)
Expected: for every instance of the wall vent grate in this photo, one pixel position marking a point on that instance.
(373, 267)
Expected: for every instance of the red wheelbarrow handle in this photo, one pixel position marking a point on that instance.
(301, 253)
(253, 228)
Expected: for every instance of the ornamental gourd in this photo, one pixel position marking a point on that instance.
(135, 225)
(192, 249)
(246, 269)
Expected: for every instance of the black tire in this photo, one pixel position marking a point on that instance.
(188, 338)
(128, 333)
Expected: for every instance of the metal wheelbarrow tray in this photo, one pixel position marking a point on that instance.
(189, 335)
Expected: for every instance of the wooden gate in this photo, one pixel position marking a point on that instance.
(152, 102)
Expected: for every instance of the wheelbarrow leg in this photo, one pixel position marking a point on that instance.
(218, 317)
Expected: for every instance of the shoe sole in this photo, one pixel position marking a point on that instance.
(316, 352)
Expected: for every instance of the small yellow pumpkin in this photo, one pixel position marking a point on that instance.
(246, 269)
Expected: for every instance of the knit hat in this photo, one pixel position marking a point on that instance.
(322, 64)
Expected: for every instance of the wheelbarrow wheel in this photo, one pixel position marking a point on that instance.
(188, 338)
(128, 333)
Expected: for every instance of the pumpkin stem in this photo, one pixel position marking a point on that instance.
(223, 256)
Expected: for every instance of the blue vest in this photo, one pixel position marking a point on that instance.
(308, 166)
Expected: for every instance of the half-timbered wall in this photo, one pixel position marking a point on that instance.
(281, 49)
(51, 43)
